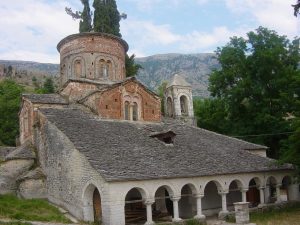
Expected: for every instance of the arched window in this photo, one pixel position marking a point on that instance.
(184, 105)
(127, 111)
(78, 68)
(101, 69)
(135, 112)
(109, 68)
(169, 107)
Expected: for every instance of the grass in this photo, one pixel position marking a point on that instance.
(30, 210)
(285, 215)
(14, 223)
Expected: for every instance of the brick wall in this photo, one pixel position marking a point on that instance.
(90, 50)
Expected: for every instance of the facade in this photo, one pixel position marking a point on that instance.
(105, 153)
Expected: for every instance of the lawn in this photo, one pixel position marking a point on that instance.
(14, 208)
(286, 215)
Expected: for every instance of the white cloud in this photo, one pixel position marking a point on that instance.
(31, 29)
(273, 14)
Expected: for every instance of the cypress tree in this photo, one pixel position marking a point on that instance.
(85, 24)
(106, 17)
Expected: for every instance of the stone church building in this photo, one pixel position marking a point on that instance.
(103, 151)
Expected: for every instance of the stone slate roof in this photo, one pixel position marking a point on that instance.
(178, 80)
(22, 152)
(46, 99)
(121, 150)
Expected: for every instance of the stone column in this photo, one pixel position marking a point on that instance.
(278, 200)
(199, 215)
(148, 204)
(261, 196)
(175, 209)
(244, 195)
(224, 211)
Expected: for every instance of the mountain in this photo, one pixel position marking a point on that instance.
(157, 68)
(195, 68)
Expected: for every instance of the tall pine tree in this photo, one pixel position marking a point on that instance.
(85, 24)
(106, 17)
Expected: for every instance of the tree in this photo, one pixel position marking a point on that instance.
(106, 17)
(48, 87)
(257, 85)
(85, 24)
(10, 96)
(296, 8)
(161, 93)
(131, 67)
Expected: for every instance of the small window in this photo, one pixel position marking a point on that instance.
(153, 111)
(106, 106)
(166, 137)
(127, 111)
(135, 112)
(116, 100)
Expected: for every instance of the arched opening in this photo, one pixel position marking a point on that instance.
(102, 72)
(135, 210)
(78, 68)
(235, 194)
(187, 203)
(92, 209)
(163, 206)
(97, 205)
(271, 190)
(169, 107)
(127, 111)
(135, 111)
(109, 69)
(212, 201)
(184, 105)
(285, 187)
(253, 196)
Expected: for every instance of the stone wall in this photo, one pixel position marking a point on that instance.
(68, 172)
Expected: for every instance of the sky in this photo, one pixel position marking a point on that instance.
(31, 29)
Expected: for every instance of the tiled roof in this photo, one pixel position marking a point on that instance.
(46, 98)
(121, 150)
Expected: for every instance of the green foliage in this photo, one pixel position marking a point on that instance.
(106, 17)
(10, 95)
(255, 89)
(30, 210)
(48, 87)
(296, 8)
(85, 24)
(161, 92)
(131, 67)
(15, 223)
(211, 114)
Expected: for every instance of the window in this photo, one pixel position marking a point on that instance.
(169, 107)
(135, 112)
(127, 111)
(78, 68)
(184, 105)
(131, 111)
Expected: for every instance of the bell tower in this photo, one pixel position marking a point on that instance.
(179, 100)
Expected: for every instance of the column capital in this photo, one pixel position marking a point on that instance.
(244, 189)
(278, 185)
(199, 196)
(149, 201)
(175, 198)
(223, 192)
(261, 188)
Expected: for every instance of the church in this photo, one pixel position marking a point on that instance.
(104, 152)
